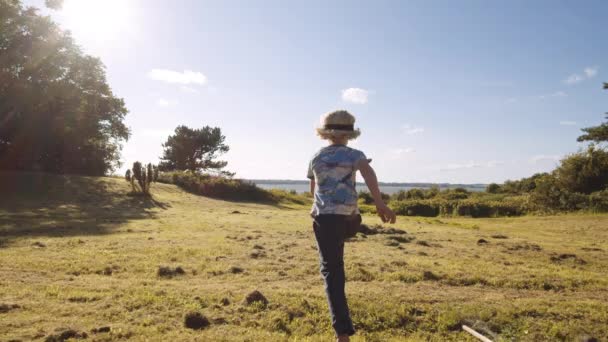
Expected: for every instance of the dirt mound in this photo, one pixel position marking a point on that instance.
(423, 243)
(482, 241)
(558, 258)
(66, 335)
(235, 270)
(428, 275)
(378, 229)
(101, 330)
(257, 254)
(525, 246)
(401, 239)
(256, 296)
(4, 308)
(168, 272)
(196, 321)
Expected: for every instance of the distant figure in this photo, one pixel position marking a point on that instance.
(332, 173)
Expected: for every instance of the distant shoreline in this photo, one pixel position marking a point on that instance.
(477, 187)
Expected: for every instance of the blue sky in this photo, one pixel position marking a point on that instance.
(443, 91)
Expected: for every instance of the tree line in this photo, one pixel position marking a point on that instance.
(58, 113)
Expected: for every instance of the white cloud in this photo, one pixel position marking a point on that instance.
(397, 153)
(568, 123)
(190, 90)
(355, 95)
(186, 77)
(409, 129)
(588, 73)
(471, 165)
(165, 103)
(556, 94)
(574, 78)
(543, 157)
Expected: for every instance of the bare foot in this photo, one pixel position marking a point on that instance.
(343, 338)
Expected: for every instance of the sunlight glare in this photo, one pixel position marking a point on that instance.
(96, 20)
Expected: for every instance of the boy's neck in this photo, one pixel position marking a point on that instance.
(338, 142)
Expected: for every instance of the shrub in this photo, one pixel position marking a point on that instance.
(476, 208)
(583, 172)
(426, 208)
(598, 201)
(228, 188)
(416, 193)
(454, 194)
(141, 178)
(365, 197)
(217, 187)
(493, 188)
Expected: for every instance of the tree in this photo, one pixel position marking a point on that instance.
(57, 112)
(493, 188)
(195, 150)
(583, 172)
(597, 133)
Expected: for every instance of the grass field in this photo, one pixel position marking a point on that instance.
(78, 253)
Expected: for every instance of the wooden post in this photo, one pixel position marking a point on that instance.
(475, 333)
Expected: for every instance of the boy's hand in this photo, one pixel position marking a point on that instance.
(385, 213)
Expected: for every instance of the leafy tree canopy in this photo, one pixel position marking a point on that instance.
(583, 172)
(57, 111)
(195, 150)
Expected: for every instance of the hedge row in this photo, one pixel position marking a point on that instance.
(508, 206)
(218, 187)
(467, 207)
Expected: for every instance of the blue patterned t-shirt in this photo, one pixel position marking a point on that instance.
(334, 169)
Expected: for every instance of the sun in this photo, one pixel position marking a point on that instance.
(96, 20)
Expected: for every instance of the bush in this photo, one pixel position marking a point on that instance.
(512, 206)
(476, 208)
(416, 194)
(217, 187)
(228, 188)
(583, 172)
(427, 208)
(365, 197)
(493, 188)
(454, 194)
(141, 177)
(598, 201)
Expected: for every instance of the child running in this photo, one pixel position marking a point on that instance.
(332, 172)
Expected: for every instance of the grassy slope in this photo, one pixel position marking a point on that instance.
(89, 227)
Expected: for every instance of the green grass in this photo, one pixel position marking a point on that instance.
(102, 250)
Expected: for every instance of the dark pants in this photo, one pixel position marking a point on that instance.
(330, 232)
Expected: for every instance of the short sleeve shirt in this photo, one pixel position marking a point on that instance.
(334, 169)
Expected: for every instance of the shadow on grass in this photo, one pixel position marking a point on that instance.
(34, 204)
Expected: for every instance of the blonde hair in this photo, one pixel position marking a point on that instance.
(338, 117)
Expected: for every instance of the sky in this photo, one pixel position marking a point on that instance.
(443, 91)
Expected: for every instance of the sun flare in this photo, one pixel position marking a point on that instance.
(99, 20)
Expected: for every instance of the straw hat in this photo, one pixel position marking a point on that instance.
(339, 123)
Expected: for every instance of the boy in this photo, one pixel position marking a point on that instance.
(332, 173)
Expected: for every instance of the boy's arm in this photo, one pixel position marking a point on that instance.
(385, 213)
(312, 186)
